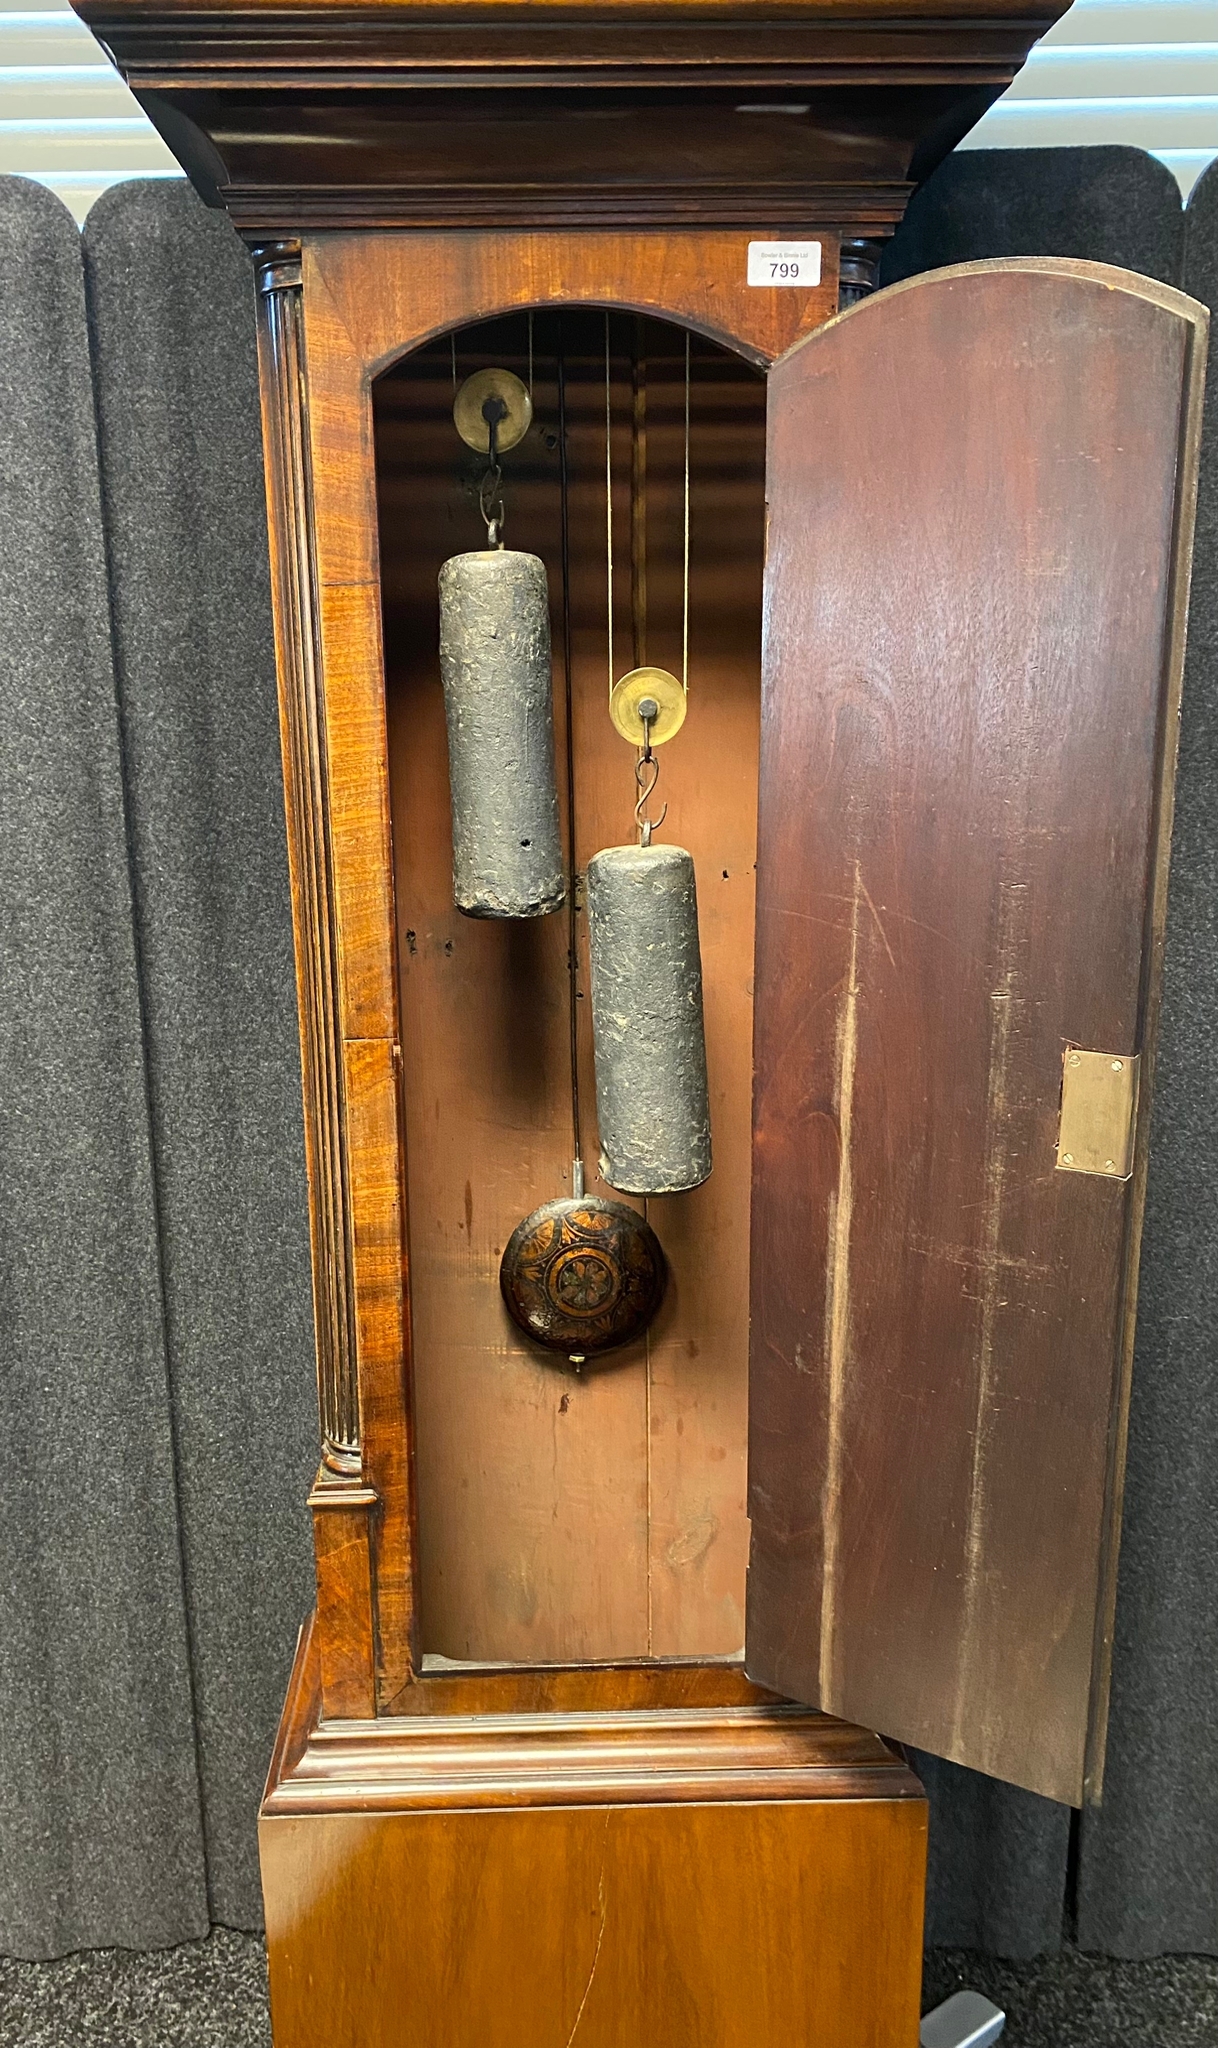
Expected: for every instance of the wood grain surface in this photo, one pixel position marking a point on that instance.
(482, 14)
(409, 114)
(741, 1876)
(980, 503)
(393, 292)
(742, 1926)
(344, 1512)
(661, 1733)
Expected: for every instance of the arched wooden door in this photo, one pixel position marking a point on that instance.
(980, 504)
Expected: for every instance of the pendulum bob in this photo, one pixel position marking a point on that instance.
(498, 704)
(651, 1095)
(582, 1275)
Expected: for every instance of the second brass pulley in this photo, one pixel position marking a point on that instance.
(634, 689)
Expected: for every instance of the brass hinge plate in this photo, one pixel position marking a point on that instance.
(1099, 1111)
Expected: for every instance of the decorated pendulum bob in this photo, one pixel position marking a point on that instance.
(498, 688)
(580, 1276)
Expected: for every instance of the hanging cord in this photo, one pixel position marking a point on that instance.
(685, 554)
(609, 506)
(577, 1167)
(638, 497)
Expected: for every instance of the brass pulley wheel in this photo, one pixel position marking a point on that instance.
(640, 686)
(513, 414)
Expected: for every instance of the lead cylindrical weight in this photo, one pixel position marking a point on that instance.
(499, 707)
(651, 1097)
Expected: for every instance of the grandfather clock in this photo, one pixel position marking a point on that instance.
(577, 1746)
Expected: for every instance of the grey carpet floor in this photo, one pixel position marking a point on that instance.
(203, 1994)
(212, 1994)
(1081, 2001)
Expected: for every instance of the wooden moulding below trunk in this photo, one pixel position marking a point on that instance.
(740, 1873)
(342, 1540)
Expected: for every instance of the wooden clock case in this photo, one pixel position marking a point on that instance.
(523, 1788)
(606, 1768)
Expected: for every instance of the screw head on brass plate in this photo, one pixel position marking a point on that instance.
(470, 421)
(633, 689)
(582, 1275)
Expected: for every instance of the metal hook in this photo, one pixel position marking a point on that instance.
(490, 496)
(649, 711)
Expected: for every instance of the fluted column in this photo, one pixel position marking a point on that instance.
(285, 426)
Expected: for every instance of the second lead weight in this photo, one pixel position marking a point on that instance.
(652, 1103)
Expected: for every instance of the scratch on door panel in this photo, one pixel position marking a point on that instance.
(837, 1288)
(972, 1258)
(992, 1276)
(876, 917)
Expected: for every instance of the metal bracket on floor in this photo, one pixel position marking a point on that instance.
(965, 2020)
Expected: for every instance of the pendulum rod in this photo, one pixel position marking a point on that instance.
(577, 1159)
(580, 1275)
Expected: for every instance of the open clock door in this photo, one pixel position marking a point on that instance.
(981, 490)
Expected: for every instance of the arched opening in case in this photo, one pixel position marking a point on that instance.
(600, 1516)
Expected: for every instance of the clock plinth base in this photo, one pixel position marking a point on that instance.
(746, 1876)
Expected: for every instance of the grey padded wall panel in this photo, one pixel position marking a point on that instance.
(997, 1865)
(999, 1857)
(1148, 1872)
(99, 1812)
(1106, 205)
(171, 305)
